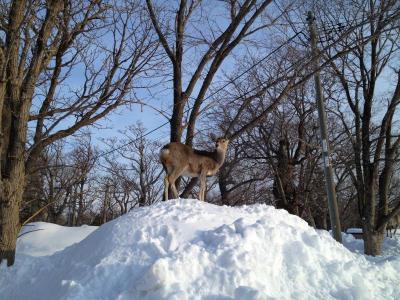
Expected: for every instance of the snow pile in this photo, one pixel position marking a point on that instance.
(40, 238)
(186, 249)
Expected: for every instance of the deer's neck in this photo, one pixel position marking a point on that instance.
(220, 156)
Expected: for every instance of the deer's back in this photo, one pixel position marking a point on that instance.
(191, 159)
(395, 221)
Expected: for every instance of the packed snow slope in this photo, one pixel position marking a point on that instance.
(187, 249)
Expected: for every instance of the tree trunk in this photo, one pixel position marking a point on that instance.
(79, 218)
(189, 187)
(32, 197)
(321, 219)
(373, 241)
(10, 200)
(105, 204)
(310, 219)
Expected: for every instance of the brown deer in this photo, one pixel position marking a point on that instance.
(181, 160)
(393, 224)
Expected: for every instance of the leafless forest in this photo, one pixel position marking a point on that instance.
(234, 68)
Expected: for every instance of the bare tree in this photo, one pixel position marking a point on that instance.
(368, 115)
(66, 181)
(213, 42)
(136, 176)
(82, 159)
(242, 179)
(43, 46)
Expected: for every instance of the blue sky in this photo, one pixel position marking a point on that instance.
(150, 118)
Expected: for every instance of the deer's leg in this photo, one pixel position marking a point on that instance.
(171, 180)
(202, 185)
(166, 187)
(175, 191)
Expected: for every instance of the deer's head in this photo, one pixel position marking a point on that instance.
(222, 144)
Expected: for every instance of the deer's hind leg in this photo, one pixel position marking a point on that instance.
(166, 187)
(171, 178)
(166, 182)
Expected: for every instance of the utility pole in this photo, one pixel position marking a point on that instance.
(329, 183)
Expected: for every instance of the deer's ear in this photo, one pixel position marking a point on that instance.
(213, 137)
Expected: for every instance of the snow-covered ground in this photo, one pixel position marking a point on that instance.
(40, 238)
(390, 247)
(186, 249)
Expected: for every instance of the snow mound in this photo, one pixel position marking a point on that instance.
(187, 249)
(41, 238)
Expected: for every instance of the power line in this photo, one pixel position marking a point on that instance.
(206, 98)
(218, 90)
(340, 25)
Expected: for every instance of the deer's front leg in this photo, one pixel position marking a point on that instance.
(203, 178)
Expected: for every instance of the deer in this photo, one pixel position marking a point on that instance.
(393, 224)
(182, 160)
